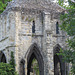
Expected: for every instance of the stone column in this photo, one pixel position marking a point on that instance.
(17, 43)
(48, 45)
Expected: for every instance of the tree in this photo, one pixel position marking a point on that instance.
(68, 25)
(12, 61)
(3, 4)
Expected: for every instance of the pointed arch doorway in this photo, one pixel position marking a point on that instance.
(59, 65)
(35, 64)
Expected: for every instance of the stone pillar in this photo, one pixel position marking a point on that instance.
(17, 44)
(48, 45)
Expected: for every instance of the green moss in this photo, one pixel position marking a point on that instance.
(29, 19)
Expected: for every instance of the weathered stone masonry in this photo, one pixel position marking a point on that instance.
(16, 35)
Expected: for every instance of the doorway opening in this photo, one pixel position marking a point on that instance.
(59, 65)
(33, 66)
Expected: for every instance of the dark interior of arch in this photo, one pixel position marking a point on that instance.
(35, 54)
(59, 65)
(22, 69)
(32, 65)
(33, 27)
(57, 28)
(2, 57)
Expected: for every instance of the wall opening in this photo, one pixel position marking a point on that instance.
(33, 27)
(59, 65)
(2, 57)
(22, 67)
(35, 64)
(57, 28)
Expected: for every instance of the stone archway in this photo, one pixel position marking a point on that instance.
(59, 65)
(2, 57)
(34, 53)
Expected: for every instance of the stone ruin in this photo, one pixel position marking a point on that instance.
(30, 28)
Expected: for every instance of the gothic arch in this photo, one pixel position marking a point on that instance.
(58, 60)
(56, 49)
(2, 57)
(34, 52)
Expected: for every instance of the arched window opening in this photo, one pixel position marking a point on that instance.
(57, 65)
(3, 59)
(35, 63)
(33, 27)
(33, 66)
(57, 28)
(22, 69)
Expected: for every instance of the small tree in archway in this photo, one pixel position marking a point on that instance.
(35, 66)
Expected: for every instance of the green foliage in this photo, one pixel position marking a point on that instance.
(12, 61)
(5, 69)
(60, 2)
(3, 4)
(8, 69)
(35, 66)
(71, 3)
(68, 22)
(68, 25)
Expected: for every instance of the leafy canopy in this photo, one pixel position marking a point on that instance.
(68, 25)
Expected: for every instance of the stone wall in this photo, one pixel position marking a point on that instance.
(7, 36)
